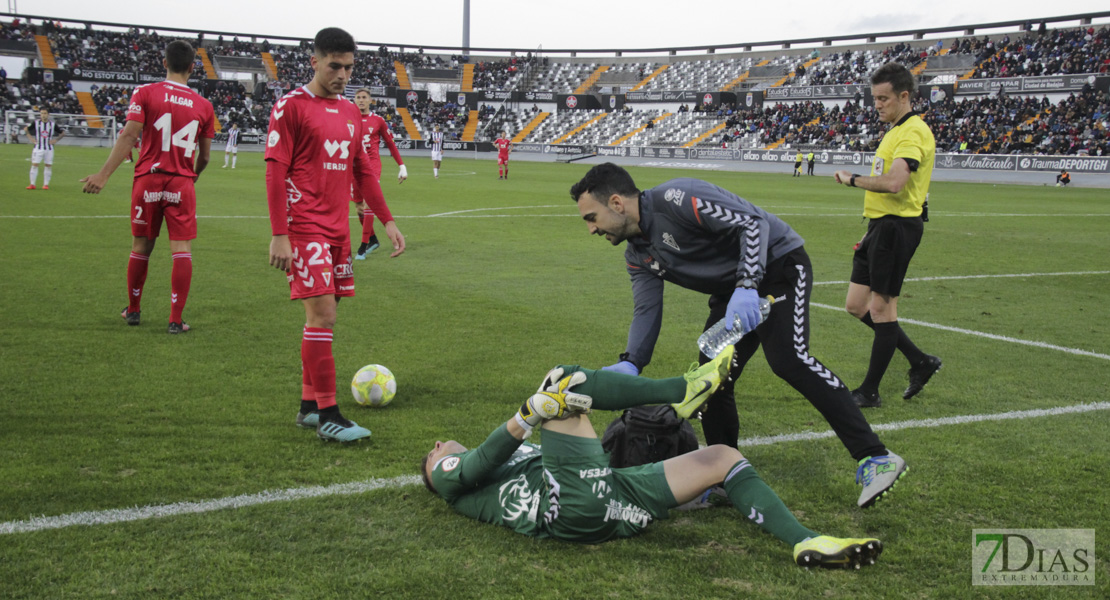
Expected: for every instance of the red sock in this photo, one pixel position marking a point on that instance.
(180, 279)
(360, 216)
(368, 227)
(319, 364)
(136, 278)
(500, 170)
(307, 393)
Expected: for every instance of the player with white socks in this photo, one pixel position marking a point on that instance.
(232, 147)
(435, 142)
(43, 140)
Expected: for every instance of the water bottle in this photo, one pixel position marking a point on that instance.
(717, 338)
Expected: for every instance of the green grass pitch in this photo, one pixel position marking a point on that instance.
(500, 282)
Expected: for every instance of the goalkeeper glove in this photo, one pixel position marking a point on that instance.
(402, 174)
(554, 400)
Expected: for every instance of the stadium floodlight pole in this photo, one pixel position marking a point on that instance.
(466, 28)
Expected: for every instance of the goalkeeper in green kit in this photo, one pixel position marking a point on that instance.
(566, 490)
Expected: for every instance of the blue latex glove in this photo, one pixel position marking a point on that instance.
(744, 302)
(624, 367)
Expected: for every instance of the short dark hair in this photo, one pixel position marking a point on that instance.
(603, 181)
(364, 89)
(333, 40)
(180, 56)
(897, 75)
(424, 474)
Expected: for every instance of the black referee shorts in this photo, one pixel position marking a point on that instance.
(884, 255)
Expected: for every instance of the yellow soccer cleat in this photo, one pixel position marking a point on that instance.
(837, 553)
(702, 381)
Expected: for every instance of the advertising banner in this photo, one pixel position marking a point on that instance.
(612, 102)
(612, 150)
(528, 147)
(750, 100)
(1078, 164)
(839, 158)
(653, 152)
(567, 149)
(937, 94)
(714, 153)
(813, 92)
(111, 76)
(578, 102)
(976, 162)
(407, 97)
(467, 99)
(536, 96)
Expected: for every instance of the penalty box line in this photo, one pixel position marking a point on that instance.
(124, 515)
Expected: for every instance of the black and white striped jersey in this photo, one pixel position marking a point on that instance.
(436, 141)
(44, 134)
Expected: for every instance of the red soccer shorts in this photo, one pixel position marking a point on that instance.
(502, 160)
(320, 268)
(161, 196)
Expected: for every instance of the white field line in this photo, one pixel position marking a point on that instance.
(991, 336)
(1002, 275)
(123, 515)
(924, 423)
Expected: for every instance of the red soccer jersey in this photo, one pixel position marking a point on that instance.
(502, 147)
(376, 131)
(173, 115)
(319, 139)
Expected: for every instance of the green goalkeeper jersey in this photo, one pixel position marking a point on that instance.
(499, 482)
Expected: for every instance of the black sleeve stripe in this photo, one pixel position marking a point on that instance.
(913, 164)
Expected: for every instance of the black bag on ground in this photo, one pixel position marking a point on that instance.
(647, 434)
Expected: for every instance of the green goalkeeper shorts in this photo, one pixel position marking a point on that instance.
(589, 502)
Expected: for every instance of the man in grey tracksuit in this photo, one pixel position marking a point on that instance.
(707, 239)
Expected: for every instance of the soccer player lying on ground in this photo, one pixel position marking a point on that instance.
(567, 490)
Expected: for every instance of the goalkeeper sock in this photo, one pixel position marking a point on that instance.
(617, 391)
(761, 505)
(46, 175)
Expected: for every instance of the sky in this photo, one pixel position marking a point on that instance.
(528, 24)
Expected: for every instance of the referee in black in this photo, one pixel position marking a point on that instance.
(895, 200)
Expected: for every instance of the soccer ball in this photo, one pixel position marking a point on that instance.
(374, 385)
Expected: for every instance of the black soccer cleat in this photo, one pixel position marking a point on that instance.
(132, 318)
(865, 399)
(176, 328)
(920, 374)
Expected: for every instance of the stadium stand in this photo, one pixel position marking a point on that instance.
(1066, 123)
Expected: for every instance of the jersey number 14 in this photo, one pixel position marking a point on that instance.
(184, 138)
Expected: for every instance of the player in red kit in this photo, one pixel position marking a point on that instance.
(504, 147)
(376, 131)
(177, 126)
(313, 148)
